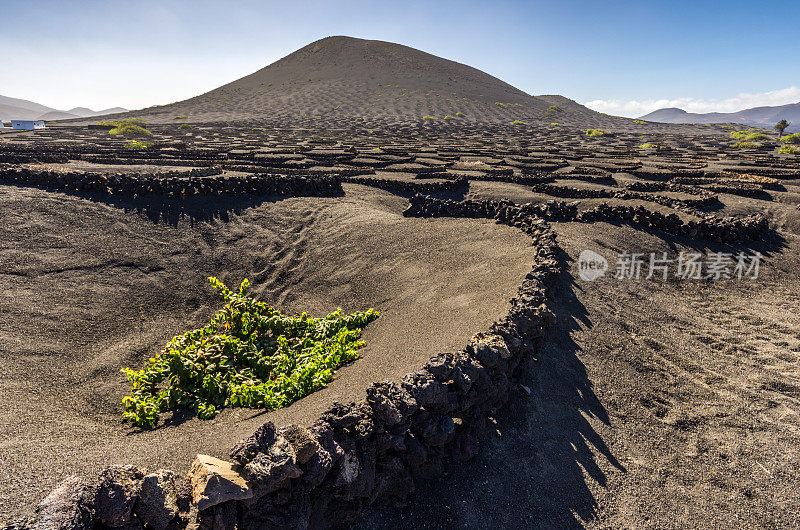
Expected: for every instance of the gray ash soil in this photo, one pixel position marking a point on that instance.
(652, 404)
(89, 288)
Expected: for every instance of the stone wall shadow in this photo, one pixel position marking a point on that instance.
(194, 209)
(537, 469)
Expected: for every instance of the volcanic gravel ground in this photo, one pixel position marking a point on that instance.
(652, 404)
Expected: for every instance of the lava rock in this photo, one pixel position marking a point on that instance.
(489, 349)
(158, 499)
(391, 404)
(273, 470)
(117, 491)
(341, 416)
(301, 440)
(427, 390)
(70, 506)
(259, 442)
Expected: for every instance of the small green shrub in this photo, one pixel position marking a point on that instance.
(748, 135)
(596, 132)
(499, 104)
(249, 355)
(650, 146)
(185, 126)
(755, 136)
(555, 124)
(181, 117)
(137, 144)
(554, 108)
(746, 145)
(448, 117)
(428, 118)
(459, 115)
(789, 150)
(791, 138)
(518, 122)
(130, 130)
(640, 122)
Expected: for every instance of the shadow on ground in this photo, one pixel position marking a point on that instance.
(535, 471)
(171, 211)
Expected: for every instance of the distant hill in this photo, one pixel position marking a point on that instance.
(345, 77)
(83, 112)
(758, 116)
(57, 115)
(22, 109)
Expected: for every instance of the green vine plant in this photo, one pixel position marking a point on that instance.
(248, 355)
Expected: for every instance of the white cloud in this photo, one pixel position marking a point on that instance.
(634, 109)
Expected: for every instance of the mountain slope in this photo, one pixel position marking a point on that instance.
(23, 105)
(345, 77)
(22, 109)
(760, 116)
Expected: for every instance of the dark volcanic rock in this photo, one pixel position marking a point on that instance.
(392, 405)
(429, 392)
(259, 442)
(157, 505)
(68, 507)
(117, 491)
(302, 442)
(270, 471)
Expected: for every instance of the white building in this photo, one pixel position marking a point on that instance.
(27, 124)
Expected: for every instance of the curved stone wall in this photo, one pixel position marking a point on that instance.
(353, 455)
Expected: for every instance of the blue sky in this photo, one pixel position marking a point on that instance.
(619, 57)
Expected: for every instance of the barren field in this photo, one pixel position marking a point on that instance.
(650, 403)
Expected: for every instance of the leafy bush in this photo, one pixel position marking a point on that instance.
(131, 127)
(554, 108)
(428, 118)
(555, 124)
(749, 135)
(448, 117)
(746, 145)
(249, 355)
(185, 126)
(499, 104)
(789, 150)
(596, 132)
(137, 144)
(181, 117)
(518, 122)
(791, 138)
(640, 122)
(459, 115)
(650, 146)
(130, 130)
